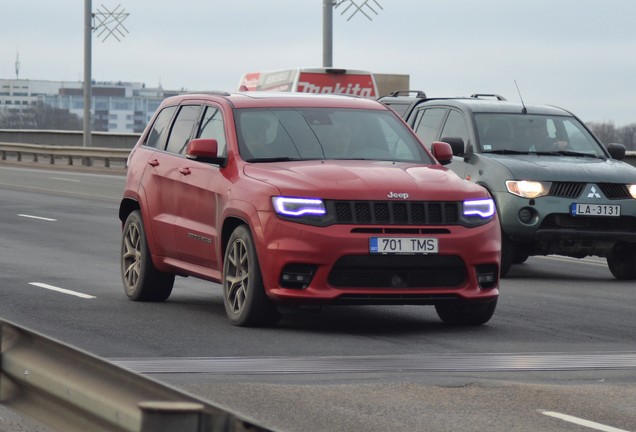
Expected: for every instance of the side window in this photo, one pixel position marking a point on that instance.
(182, 128)
(212, 127)
(455, 126)
(159, 132)
(427, 124)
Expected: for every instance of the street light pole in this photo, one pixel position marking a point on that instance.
(327, 33)
(88, 29)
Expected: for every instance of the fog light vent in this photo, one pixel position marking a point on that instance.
(526, 215)
(297, 276)
(487, 276)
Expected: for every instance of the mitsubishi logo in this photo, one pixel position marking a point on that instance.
(593, 193)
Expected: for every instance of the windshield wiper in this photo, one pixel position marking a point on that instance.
(567, 153)
(575, 153)
(506, 151)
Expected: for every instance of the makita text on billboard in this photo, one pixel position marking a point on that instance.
(352, 89)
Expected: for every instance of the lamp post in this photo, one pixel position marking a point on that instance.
(109, 23)
(88, 28)
(327, 32)
(352, 7)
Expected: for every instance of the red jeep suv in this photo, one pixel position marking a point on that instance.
(304, 200)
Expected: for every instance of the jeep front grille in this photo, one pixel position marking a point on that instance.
(396, 212)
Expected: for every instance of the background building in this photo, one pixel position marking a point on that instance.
(116, 106)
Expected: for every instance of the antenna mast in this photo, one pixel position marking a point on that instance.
(17, 65)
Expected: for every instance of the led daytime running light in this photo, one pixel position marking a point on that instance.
(299, 206)
(484, 208)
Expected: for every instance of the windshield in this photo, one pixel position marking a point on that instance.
(540, 134)
(324, 133)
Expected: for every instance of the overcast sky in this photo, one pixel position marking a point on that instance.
(577, 54)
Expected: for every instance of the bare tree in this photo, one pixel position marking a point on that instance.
(606, 131)
(628, 136)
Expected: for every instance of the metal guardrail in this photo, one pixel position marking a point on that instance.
(72, 391)
(88, 155)
(70, 154)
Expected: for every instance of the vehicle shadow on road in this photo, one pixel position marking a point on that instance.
(354, 320)
(553, 270)
(372, 320)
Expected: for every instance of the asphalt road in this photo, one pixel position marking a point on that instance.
(560, 350)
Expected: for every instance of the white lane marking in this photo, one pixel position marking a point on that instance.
(582, 422)
(62, 290)
(37, 217)
(65, 179)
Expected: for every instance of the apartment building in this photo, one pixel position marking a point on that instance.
(115, 106)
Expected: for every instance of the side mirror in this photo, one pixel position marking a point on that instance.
(616, 151)
(442, 152)
(456, 143)
(204, 150)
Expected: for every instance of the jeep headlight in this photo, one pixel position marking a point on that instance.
(290, 207)
(478, 211)
(528, 188)
(484, 208)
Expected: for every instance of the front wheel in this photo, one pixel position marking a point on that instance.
(246, 303)
(142, 280)
(622, 261)
(507, 255)
(466, 312)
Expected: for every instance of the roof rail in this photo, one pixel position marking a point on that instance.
(418, 93)
(487, 95)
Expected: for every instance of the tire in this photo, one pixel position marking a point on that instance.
(466, 312)
(519, 256)
(142, 281)
(246, 303)
(622, 261)
(507, 255)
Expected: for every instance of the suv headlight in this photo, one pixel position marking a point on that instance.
(479, 211)
(528, 188)
(484, 208)
(289, 207)
(632, 190)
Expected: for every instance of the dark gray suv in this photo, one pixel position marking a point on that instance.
(558, 189)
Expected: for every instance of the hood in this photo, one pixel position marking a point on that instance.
(364, 180)
(567, 168)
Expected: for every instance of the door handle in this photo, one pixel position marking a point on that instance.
(185, 171)
(153, 162)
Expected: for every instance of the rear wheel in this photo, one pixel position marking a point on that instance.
(466, 312)
(246, 303)
(142, 281)
(622, 261)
